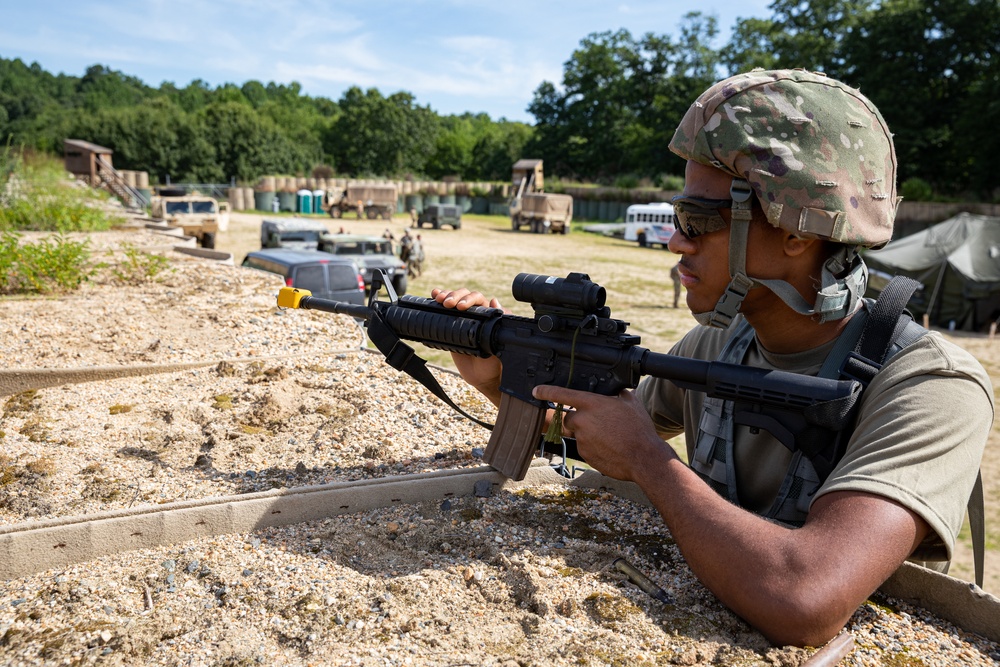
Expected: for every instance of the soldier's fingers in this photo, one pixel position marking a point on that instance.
(561, 395)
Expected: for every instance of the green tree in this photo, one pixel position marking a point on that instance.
(621, 99)
(101, 87)
(930, 67)
(247, 145)
(798, 34)
(497, 149)
(377, 135)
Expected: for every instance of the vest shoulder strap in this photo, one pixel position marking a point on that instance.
(887, 329)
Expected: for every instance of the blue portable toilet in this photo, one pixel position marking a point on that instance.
(317, 196)
(303, 202)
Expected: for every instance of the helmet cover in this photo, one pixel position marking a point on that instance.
(817, 153)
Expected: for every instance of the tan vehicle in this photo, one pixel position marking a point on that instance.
(199, 216)
(374, 201)
(531, 207)
(543, 213)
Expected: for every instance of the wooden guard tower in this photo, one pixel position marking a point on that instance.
(84, 159)
(92, 163)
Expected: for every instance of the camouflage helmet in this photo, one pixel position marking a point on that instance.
(816, 152)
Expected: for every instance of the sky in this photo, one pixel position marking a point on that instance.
(455, 56)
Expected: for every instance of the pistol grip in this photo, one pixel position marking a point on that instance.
(515, 437)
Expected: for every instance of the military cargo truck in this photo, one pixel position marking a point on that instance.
(372, 201)
(542, 212)
(199, 216)
(531, 207)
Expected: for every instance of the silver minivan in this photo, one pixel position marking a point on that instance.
(325, 275)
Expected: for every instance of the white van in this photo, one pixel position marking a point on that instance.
(657, 220)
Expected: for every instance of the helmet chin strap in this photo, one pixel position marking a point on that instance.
(836, 297)
(729, 304)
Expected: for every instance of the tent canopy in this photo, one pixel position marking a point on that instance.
(958, 263)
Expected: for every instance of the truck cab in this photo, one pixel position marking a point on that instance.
(198, 215)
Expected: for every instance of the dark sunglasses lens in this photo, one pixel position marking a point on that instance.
(696, 219)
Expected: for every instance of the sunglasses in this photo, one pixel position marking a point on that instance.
(696, 216)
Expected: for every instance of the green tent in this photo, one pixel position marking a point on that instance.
(958, 263)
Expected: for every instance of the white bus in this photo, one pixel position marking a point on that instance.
(657, 220)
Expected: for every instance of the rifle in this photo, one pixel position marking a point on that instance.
(572, 341)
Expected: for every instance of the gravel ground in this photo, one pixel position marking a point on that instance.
(288, 399)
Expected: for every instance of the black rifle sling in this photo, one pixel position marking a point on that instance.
(889, 324)
(401, 356)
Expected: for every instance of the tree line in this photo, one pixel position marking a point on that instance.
(931, 66)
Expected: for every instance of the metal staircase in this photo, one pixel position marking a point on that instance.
(112, 181)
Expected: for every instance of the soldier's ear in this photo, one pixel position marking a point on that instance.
(795, 245)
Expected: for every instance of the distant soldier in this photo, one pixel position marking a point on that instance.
(640, 236)
(361, 209)
(416, 258)
(405, 247)
(675, 275)
(413, 217)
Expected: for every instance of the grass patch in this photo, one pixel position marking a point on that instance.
(139, 267)
(118, 409)
(50, 265)
(42, 198)
(37, 196)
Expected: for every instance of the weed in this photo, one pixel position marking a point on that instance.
(51, 264)
(35, 429)
(43, 467)
(21, 403)
(43, 200)
(139, 267)
(222, 402)
(118, 408)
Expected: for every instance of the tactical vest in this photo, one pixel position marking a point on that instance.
(874, 335)
(713, 457)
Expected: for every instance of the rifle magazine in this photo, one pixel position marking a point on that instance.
(514, 440)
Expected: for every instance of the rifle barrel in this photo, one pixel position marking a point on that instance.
(338, 307)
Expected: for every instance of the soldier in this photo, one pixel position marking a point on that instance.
(789, 175)
(405, 246)
(413, 218)
(414, 265)
(675, 275)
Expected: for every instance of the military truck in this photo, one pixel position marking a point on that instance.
(436, 215)
(531, 207)
(374, 201)
(199, 216)
(543, 212)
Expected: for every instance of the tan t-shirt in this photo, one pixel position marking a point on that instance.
(919, 438)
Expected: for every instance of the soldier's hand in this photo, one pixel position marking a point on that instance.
(614, 434)
(483, 374)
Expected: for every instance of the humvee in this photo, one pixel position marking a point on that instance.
(441, 214)
(199, 216)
